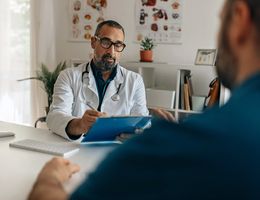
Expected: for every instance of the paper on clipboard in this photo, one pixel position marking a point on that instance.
(107, 128)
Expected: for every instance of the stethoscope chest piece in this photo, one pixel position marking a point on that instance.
(115, 97)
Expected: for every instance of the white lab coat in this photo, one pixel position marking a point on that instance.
(72, 92)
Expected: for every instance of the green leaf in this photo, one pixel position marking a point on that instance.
(48, 78)
(147, 44)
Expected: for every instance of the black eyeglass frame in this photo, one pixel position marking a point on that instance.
(123, 45)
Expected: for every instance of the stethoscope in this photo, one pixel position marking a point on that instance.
(116, 96)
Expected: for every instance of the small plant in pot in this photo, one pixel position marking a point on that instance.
(146, 53)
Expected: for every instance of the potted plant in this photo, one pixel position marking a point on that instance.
(146, 53)
(48, 79)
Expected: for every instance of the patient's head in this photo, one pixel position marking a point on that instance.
(239, 40)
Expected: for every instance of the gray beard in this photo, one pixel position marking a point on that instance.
(104, 66)
(226, 63)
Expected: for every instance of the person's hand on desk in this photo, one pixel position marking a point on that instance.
(124, 136)
(161, 113)
(49, 182)
(77, 127)
(157, 112)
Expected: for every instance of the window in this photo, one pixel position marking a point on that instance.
(15, 97)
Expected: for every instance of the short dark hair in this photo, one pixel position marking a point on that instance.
(110, 23)
(254, 6)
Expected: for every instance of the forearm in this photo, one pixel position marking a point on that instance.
(74, 128)
(48, 189)
(78, 126)
(57, 122)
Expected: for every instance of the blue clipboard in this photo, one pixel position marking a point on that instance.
(107, 128)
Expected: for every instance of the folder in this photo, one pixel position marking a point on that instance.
(107, 128)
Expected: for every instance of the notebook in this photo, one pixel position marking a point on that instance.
(107, 128)
(44, 147)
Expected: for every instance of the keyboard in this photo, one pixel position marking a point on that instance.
(44, 147)
(6, 134)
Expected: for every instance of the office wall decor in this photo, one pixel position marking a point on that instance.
(206, 57)
(160, 20)
(84, 15)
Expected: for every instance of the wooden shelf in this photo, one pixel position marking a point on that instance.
(167, 76)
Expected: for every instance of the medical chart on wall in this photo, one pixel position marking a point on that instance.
(84, 15)
(160, 20)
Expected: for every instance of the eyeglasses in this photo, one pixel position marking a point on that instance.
(106, 43)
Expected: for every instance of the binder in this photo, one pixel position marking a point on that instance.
(107, 128)
(183, 74)
(186, 97)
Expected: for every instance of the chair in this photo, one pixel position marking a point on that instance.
(41, 119)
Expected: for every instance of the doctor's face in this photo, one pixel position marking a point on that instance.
(107, 45)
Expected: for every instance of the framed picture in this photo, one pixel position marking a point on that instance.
(206, 57)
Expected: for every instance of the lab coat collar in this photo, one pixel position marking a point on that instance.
(114, 84)
(91, 84)
(119, 78)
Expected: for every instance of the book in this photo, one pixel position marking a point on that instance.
(186, 97)
(183, 74)
(190, 89)
(107, 128)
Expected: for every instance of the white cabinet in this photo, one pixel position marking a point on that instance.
(164, 82)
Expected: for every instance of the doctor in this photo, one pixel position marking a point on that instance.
(96, 88)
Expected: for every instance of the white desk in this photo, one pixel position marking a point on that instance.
(19, 168)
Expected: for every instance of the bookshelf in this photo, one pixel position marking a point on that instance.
(166, 78)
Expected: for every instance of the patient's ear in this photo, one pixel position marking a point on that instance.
(240, 25)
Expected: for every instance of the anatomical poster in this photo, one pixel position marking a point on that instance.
(84, 15)
(160, 20)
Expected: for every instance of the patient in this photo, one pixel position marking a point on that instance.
(210, 156)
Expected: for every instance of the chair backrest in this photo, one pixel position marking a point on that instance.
(41, 119)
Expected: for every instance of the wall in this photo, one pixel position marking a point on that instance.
(200, 25)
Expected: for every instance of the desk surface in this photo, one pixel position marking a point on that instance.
(19, 168)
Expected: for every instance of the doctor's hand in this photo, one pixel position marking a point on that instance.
(77, 127)
(163, 114)
(124, 136)
(89, 118)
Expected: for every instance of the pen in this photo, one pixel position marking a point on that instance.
(89, 105)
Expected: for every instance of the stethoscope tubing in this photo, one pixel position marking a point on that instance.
(116, 96)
